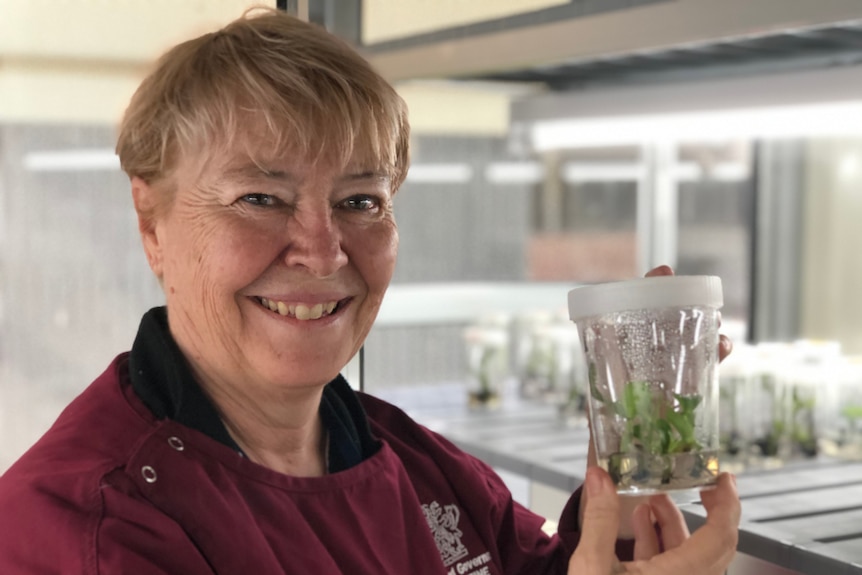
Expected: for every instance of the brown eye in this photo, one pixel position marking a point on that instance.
(362, 203)
(263, 200)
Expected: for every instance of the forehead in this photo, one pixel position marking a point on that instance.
(237, 163)
(268, 152)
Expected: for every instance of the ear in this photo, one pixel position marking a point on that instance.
(147, 205)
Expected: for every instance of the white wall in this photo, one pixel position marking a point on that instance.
(832, 243)
(78, 61)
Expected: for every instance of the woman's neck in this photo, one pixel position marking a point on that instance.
(283, 433)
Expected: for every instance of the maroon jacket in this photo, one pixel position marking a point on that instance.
(110, 489)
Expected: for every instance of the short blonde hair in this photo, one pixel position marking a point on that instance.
(308, 89)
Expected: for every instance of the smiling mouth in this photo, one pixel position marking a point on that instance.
(300, 311)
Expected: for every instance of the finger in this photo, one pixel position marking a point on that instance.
(722, 503)
(592, 458)
(646, 538)
(592, 461)
(712, 547)
(628, 504)
(662, 270)
(725, 346)
(597, 546)
(723, 511)
(669, 518)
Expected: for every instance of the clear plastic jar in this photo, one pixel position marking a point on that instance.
(651, 348)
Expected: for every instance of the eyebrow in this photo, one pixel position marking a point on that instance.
(254, 172)
(365, 175)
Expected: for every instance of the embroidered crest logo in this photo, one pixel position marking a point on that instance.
(443, 522)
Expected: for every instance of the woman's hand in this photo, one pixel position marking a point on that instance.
(708, 552)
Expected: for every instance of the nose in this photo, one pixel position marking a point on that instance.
(315, 243)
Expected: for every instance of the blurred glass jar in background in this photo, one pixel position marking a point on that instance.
(532, 353)
(769, 406)
(735, 432)
(841, 408)
(570, 384)
(803, 384)
(789, 402)
(486, 346)
(808, 377)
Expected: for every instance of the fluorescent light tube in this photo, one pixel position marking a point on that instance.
(440, 173)
(83, 160)
(800, 121)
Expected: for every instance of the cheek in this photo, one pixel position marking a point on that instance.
(203, 255)
(375, 254)
(230, 248)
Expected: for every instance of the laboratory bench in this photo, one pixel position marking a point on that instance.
(803, 517)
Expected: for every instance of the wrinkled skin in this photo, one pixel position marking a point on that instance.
(239, 234)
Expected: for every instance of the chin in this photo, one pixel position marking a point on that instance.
(302, 375)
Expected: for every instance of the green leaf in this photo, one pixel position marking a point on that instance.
(688, 403)
(664, 430)
(638, 400)
(852, 412)
(682, 446)
(682, 424)
(629, 402)
(594, 386)
(621, 409)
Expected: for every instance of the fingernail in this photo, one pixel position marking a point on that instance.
(594, 483)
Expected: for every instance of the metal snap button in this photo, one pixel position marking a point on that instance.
(149, 474)
(176, 443)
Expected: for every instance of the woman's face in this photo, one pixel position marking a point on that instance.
(273, 271)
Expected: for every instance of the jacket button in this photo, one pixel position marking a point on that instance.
(176, 443)
(149, 474)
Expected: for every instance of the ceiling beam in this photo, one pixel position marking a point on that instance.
(611, 34)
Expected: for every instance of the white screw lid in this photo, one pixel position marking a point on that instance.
(645, 293)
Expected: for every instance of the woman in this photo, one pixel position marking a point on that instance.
(263, 161)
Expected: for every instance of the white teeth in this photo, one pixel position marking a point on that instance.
(300, 311)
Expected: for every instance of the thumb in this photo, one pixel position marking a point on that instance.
(662, 270)
(596, 549)
(592, 458)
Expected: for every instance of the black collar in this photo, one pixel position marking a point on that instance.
(163, 380)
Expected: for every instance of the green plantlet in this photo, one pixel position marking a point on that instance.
(650, 427)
